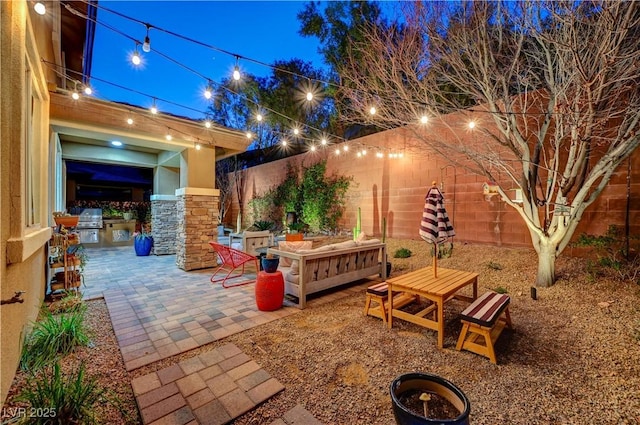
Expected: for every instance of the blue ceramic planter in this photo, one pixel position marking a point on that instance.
(143, 245)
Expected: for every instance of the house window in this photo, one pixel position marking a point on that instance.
(32, 114)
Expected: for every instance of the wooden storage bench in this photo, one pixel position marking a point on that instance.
(379, 295)
(483, 322)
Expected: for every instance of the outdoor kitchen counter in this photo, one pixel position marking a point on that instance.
(117, 232)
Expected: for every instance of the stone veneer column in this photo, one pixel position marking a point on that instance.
(197, 213)
(164, 224)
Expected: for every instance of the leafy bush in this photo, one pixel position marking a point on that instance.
(494, 266)
(317, 199)
(70, 303)
(263, 225)
(402, 253)
(52, 336)
(501, 290)
(324, 197)
(65, 399)
(616, 256)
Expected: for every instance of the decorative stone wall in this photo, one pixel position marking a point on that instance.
(164, 225)
(197, 225)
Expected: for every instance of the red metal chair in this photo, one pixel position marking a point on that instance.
(231, 260)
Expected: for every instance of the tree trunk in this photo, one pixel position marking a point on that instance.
(546, 264)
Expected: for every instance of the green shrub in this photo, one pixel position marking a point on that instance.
(501, 290)
(263, 225)
(402, 253)
(70, 303)
(494, 266)
(63, 399)
(53, 336)
(617, 255)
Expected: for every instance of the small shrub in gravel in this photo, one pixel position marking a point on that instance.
(60, 398)
(402, 253)
(53, 336)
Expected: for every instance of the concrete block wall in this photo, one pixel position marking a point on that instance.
(395, 188)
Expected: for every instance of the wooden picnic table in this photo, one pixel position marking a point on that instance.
(438, 289)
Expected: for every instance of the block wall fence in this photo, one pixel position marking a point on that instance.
(395, 188)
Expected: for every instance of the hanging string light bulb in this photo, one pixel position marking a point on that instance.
(88, 90)
(424, 119)
(198, 147)
(312, 148)
(208, 91)
(207, 123)
(169, 137)
(323, 142)
(249, 135)
(135, 58)
(284, 142)
(236, 71)
(40, 8)
(154, 108)
(471, 125)
(75, 95)
(259, 117)
(372, 110)
(309, 96)
(146, 46)
(130, 121)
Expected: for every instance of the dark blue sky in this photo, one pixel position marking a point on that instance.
(260, 30)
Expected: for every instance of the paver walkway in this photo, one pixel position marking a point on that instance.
(212, 388)
(158, 311)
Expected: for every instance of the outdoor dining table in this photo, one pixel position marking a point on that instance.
(438, 289)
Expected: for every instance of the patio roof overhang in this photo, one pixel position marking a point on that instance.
(87, 126)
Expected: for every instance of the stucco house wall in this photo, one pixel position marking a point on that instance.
(24, 134)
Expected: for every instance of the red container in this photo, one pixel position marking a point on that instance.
(269, 291)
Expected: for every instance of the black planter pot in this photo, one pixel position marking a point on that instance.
(269, 265)
(431, 384)
(388, 270)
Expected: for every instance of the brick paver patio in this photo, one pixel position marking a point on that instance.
(158, 311)
(212, 388)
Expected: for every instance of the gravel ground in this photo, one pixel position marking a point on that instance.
(573, 357)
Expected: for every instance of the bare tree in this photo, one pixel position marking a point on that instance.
(553, 88)
(225, 184)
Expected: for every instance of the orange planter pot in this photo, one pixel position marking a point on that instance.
(67, 220)
(293, 237)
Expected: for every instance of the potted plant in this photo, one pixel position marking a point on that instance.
(423, 398)
(142, 242)
(295, 230)
(270, 263)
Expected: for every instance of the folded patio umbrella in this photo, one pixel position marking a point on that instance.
(435, 226)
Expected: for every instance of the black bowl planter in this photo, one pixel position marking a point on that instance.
(445, 397)
(270, 265)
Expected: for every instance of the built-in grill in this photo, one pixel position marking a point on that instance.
(89, 225)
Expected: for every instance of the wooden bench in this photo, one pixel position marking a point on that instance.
(483, 322)
(379, 295)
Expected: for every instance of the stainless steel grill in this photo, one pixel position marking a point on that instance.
(90, 218)
(89, 225)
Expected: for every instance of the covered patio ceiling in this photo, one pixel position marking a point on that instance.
(86, 128)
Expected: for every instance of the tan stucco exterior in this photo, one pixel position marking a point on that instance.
(23, 234)
(35, 112)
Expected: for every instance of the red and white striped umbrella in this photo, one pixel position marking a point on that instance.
(435, 226)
